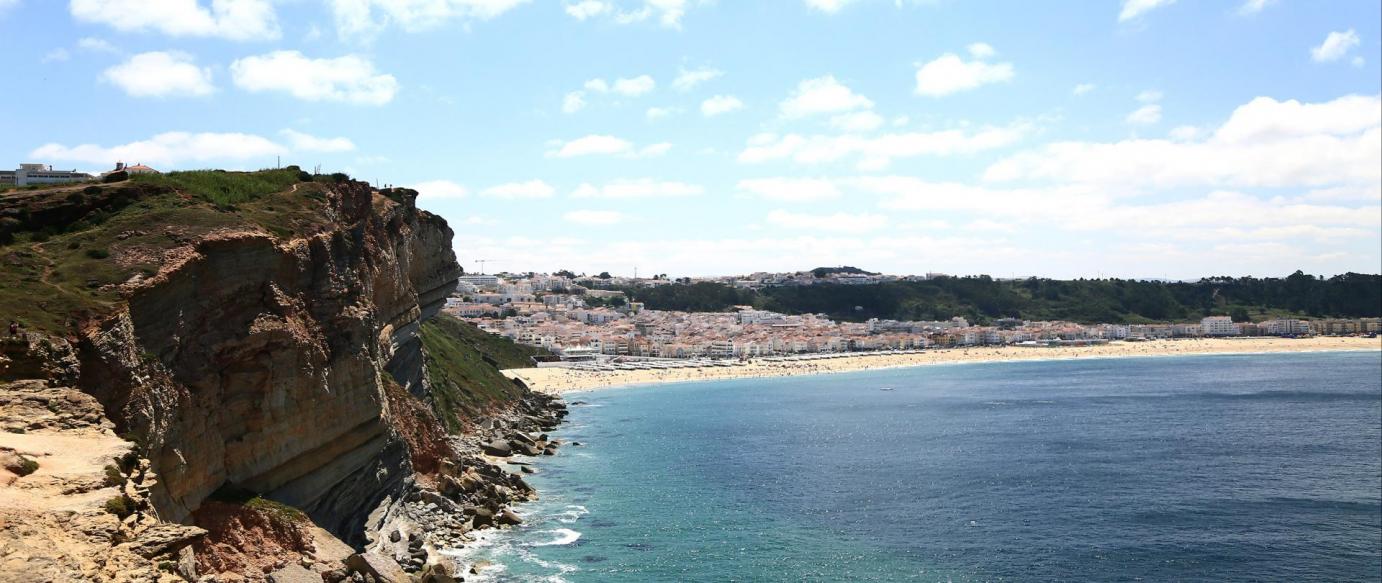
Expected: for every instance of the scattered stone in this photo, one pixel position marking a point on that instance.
(294, 574)
(509, 517)
(377, 567)
(498, 449)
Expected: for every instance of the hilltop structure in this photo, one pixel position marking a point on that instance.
(31, 174)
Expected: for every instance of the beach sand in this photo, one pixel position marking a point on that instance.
(562, 380)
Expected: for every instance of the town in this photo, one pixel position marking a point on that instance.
(577, 320)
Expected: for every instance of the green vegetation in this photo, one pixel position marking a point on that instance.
(113, 476)
(463, 364)
(26, 466)
(844, 269)
(67, 249)
(224, 188)
(983, 299)
(277, 511)
(119, 506)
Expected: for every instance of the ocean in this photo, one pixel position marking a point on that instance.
(1202, 468)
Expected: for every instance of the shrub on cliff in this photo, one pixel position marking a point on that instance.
(119, 506)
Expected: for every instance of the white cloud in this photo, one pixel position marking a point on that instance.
(637, 188)
(836, 222)
(56, 55)
(160, 74)
(828, 6)
(1184, 133)
(1252, 6)
(239, 20)
(627, 87)
(439, 190)
(573, 102)
(349, 79)
(655, 113)
(688, 80)
(598, 144)
(1335, 46)
(366, 18)
(859, 121)
(1135, 8)
(1149, 96)
(791, 189)
(1357, 61)
(531, 189)
(668, 13)
(1264, 143)
(1265, 118)
(1082, 88)
(950, 74)
(877, 152)
(634, 87)
(588, 9)
(8, 4)
(981, 50)
(1145, 115)
(96, 45)
(168, 149)
(822, 95)
(309, 143)
(720, 104)
(594, 218)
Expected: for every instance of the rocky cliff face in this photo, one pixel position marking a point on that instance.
(261, 362)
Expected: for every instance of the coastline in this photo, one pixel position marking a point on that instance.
(560, 381)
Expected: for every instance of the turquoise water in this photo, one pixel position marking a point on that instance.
(1212, 468)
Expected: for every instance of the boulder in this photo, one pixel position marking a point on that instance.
(438, 573)
(498, 448)
(294, 574)
(509, 517)
(377, 566)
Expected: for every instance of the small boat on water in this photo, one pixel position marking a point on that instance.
(885, 388)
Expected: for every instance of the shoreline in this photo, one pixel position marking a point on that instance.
(560, 381)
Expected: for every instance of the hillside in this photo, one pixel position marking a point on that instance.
(982, 299)
(463, 364)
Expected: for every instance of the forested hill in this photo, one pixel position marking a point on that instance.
(982, 298)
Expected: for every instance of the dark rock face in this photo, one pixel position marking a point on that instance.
(261, 362)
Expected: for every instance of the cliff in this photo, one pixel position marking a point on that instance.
(249, 333)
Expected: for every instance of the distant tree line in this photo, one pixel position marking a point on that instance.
(982, 299)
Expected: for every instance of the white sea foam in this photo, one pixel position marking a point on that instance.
(572, 513)
(562, 536)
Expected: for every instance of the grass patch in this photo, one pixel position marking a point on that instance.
(64, 269)
(276, 511)
(222, 188)
(463, 364)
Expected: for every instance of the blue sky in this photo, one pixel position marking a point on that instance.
(1147, 138)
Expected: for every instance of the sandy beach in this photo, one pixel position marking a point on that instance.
(562, 380)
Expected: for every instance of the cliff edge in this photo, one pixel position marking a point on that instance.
(249, 337)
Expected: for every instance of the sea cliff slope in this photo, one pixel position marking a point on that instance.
(247, 337)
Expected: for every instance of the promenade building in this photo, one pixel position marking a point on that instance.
(1219, 326)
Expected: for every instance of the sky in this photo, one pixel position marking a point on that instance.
(1136, 138)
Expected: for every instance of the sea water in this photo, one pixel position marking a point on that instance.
(1205, 468)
